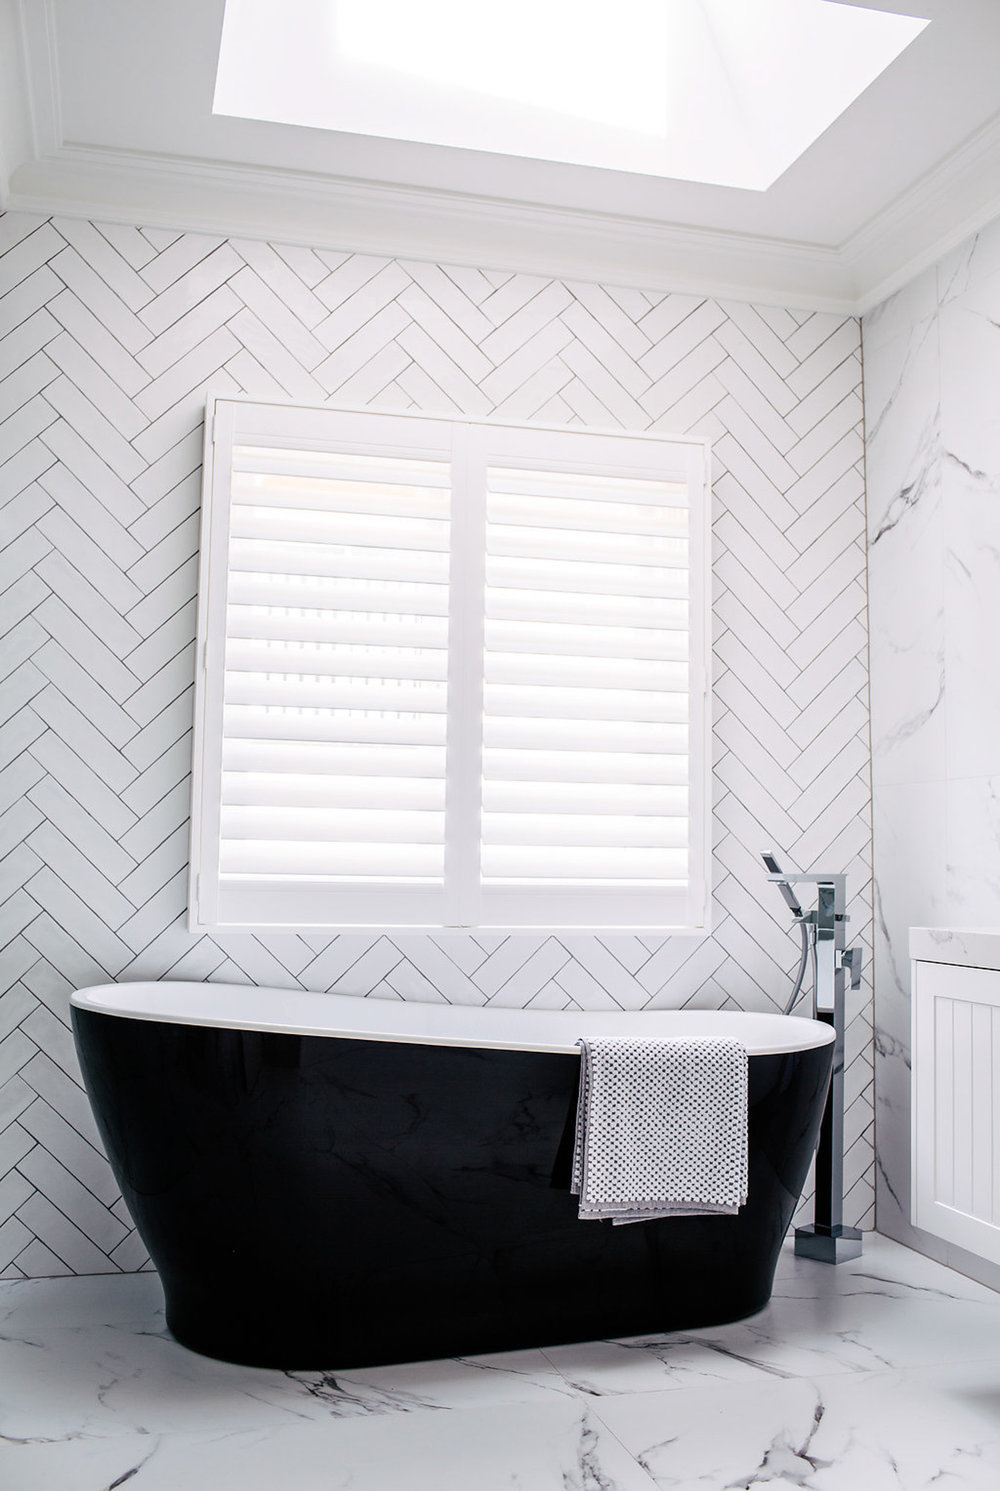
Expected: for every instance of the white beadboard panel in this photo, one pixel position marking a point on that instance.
(105, 359)
(956, 1105)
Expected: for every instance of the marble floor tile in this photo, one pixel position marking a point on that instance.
(884, 1268)
(866, 1331)
(883, 1372)
(63, 1365)
(515, 1447)
(890, 1307)
(466, 1382)
(892, 1431)
(647, 1364)
(860, 1332)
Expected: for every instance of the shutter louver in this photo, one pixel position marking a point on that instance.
(586, 769)
(335, 693)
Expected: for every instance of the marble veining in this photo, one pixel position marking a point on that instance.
(882, 1432)
(970, 947)
(932, 367)
(880, 1375)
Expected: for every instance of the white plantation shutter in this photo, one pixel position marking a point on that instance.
(453, 674)
(594, 732)
(326, 668)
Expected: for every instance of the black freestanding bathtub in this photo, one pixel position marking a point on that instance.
(328, 1181)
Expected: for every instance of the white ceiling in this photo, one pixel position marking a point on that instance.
(105, 112)
(699, 90)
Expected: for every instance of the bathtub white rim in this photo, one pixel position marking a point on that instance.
(557, 1032)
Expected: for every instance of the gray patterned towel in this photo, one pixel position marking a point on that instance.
(661, 1129)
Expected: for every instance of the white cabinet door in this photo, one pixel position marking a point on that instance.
(956, 1105)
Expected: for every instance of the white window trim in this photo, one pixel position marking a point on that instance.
(432, 437)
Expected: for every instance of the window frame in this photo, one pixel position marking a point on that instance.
(232, 419)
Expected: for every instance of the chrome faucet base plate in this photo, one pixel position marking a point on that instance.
(824, 1248)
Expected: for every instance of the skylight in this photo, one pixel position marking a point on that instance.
(726, 92)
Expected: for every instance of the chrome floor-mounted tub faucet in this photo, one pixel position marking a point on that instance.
(823, 933)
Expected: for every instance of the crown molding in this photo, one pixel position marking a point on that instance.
(17, 135)
(373, 217)
(946, 206)
(954, 200)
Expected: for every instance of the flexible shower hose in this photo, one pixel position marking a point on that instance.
(803, 960)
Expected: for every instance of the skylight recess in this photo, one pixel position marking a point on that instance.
(717, 91)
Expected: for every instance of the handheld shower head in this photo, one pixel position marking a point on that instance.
(805, 924)
(775, 872)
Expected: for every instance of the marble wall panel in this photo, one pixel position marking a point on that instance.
(932, 404)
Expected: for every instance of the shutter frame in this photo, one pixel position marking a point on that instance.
(462, 902)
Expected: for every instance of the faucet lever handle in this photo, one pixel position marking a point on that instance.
(850, 961)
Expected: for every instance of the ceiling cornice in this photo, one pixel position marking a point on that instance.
(17, 138)
(449, 227)
(957, 198)
(48, 176)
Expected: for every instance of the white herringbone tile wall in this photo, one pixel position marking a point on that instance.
(109, 339)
